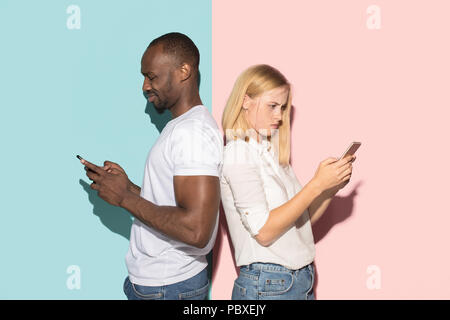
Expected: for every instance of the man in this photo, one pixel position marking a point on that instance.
(176, 210)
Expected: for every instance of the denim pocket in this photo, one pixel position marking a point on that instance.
(275, 282)
(197, 294)
(239, 292)
(147, 293)
(309, 294)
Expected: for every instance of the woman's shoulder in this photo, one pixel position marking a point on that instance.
(239, 154)
(236, 148)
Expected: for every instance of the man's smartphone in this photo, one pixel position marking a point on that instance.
(86, 168)
(351, 149)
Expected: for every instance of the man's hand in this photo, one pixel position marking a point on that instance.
(112, 184)
(108, 166)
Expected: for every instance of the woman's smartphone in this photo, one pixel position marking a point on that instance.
(351, 149)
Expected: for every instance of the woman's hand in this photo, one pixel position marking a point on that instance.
(333, 173)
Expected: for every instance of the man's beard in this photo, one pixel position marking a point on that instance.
(160, 105)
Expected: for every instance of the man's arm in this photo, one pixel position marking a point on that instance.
(135, 189)
(192, 220)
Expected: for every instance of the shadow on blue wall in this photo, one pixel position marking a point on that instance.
(119, 220)
(116, 219)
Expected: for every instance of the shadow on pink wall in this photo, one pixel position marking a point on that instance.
(217, 250)
(339, 210)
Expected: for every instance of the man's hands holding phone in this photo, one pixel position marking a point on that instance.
(333, 174)
(110, 181)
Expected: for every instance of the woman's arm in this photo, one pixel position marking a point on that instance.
(319, 206)
(283, 218)
(321, 203)
(249, 196)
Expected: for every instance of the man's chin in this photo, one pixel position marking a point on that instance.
(159, 108)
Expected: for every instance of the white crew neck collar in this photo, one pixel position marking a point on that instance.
(181, 116)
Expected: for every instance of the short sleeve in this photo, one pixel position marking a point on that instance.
(196, 149)
(249, 197)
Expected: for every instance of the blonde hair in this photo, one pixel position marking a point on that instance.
(253, 82)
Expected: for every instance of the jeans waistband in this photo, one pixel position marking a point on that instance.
(270, 266)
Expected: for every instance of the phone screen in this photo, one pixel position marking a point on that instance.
(351, 149)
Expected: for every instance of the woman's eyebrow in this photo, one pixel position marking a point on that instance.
(274, 102)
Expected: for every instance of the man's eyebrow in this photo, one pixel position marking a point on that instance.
(146, 73)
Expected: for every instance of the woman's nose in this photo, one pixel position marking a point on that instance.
(277, 116)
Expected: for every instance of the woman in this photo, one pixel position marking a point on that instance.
(268, 212)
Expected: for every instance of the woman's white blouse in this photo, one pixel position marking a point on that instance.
(252, 184)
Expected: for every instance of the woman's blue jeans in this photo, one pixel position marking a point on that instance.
(268, 281)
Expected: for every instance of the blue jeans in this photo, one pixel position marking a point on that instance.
(195, 288)
(268, 281)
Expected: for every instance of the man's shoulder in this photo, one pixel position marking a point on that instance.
(198, 120)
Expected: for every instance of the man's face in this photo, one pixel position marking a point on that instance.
(157, 69)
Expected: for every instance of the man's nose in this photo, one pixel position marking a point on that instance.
(146, 86)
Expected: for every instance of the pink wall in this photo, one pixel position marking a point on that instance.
(388, 88)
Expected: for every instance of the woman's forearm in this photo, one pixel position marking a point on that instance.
(284, 217)
(319, 206)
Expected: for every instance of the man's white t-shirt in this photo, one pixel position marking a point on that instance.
(189, 145)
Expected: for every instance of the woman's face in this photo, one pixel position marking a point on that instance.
(264, 112)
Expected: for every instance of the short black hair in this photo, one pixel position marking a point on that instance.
(181, 47)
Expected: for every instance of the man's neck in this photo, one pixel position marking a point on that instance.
(185, 105)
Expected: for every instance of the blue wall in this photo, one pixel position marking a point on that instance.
(76, 91)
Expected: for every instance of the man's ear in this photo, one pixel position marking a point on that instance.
(185, 72)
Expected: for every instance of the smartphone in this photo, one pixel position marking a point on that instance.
(86, 168)
(351, 149)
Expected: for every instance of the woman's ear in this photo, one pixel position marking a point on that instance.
(246, 103)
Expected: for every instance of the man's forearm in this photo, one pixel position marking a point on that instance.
(136, 189)
(320, 205)
(170, 220)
